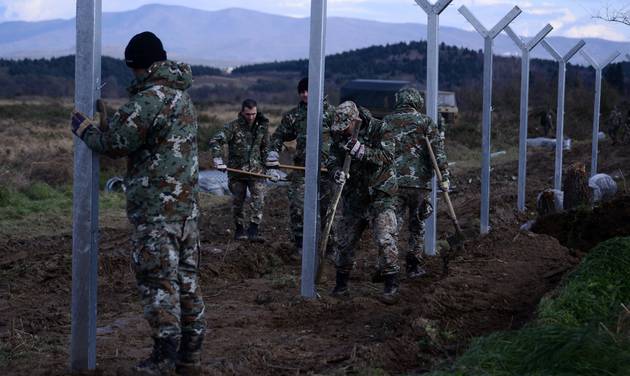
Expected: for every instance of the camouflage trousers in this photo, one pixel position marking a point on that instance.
(165, 259)
(415, 205)
(378, 212)
(239, 188)
(296, 203)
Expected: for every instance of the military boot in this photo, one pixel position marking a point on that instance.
(341, 285)
(377, 276)
(414, 267)
(189, 355)
(239, 233)
(252, 233)
(392, 289)
(162, 359)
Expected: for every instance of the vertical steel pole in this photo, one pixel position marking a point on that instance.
(316, 69)
(85, 192)
(432, 98)
(562, 74)
(562, 80)
(525, 48)
(485, 136)
(599, 68)
(596, 116)
(488, 36)
(433, 65)
(522, 141)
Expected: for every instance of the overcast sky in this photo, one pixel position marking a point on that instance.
(571, 18)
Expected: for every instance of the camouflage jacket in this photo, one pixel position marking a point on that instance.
(293, 128)
(413, 163)
(157, 132)
(615, 119)
(247, 145)
(376, 171)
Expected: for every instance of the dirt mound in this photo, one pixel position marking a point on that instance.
(257, 324)
(584, 228)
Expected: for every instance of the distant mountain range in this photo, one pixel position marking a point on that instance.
(235, 36)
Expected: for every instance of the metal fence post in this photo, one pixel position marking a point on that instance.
(525, 48)
(85, 192)
(488, 36)
(433, 65)
(316, 69)
(599, 68)
(562, 75)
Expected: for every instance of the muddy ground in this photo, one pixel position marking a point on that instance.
(258, 324)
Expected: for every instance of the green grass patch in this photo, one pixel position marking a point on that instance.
(583, 330)
(595, 290)
(39, 208)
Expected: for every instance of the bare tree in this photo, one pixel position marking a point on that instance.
(615, 14)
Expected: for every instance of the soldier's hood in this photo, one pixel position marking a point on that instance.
(408, 99)
(166, 73)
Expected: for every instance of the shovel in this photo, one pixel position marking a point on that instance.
(455, 241)
(297, 168)
(252, 174)
(332, 209)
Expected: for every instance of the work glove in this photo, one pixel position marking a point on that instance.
(275, 175)
(355, 148)
(101, 108)
(340, 177)
(219, 165)
(80, 123)
(445, 185)
(273, 160)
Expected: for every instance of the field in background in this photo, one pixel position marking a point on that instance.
(257, 322)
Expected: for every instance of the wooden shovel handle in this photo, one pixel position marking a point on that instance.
(447, 197)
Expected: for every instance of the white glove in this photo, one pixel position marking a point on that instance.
(275, 174)
(340, 178)
(356, 149)
(445, 185)
(219, 165)
(273, 159)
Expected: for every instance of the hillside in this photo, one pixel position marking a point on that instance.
(234, 36)
(460, 71)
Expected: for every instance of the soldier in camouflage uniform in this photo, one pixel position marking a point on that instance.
(414, 170)
(293, 128)
(615, 122)
(247, 139)
(368, 196)
(157, 132)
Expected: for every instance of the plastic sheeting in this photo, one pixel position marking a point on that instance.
(548, 143)
(604, 187)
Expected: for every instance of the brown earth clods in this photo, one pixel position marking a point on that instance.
(257, 322)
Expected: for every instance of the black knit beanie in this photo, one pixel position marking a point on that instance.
(143, 50)
(302, 85)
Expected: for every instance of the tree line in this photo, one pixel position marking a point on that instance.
(55, 76)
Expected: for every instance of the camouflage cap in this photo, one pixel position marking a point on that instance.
(409, 97)
(344, 114)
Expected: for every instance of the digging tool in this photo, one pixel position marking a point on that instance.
(250, 173)
(455, 241)
(298, 168)
(332, 209)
